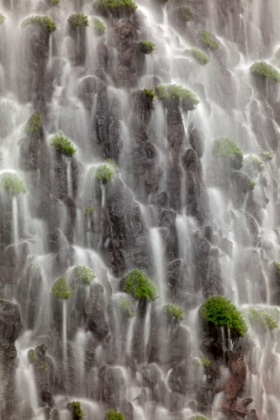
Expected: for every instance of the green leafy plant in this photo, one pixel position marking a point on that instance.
(78, 413)
(34, 126)
(114, 415)
(62, 145)
(266, 155)
(44, 21)
(32, 356)
(173, 312)
(147, 47)
(208, 40)
(126, 306)
(12, 183)
(139, 286)
(118, 8)
(60, 289)
(2, 19)
(104, 174)
(221, 312)
(200, 56)
(185, 14)
(78, 20)
(260, 318)
(89, 210)
(82, 274)
(189, 99)
(265, 71)
(99, 27)
(227, 149)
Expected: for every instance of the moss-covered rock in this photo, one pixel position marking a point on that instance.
(105, 173)
(44, 22)
(261, 319)
(99, 27)
(265, 71)
(147, 47)
(12, 183)
(63, 145)
(139, 286)
(173, 312)
(253, 165)
(60, 289)
(78, 20)
(34, 127)
(114, 415)
(82, 275)
(126, 306)
(185, 14)
(208, 40)
(200, 56)
(221, 312)
(77, 411)
(228, 150)
(117, 8)
(188, 99)
(265, 155)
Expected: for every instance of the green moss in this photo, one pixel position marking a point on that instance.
(185, 14)
(251, 184)
(12, 183)
(104, 174)
(266, 155)
(55, 2)
(60, 289)
(62, 145)
(2, 19)
(200, 56)
(276, 265)
(221, 312)
(43, 366)
(147, 47)
(198, 417)
(44, 21)
(32, 356)
(261, 318)
(208, 40)
(118, 8)
(139, 286)
(173, 312)
(34, 126)
(149, 93)
(114, 415)
(254, 165)
(89, 210)
(202, 361)
(78, 413)
(265, 71)
(82, 274)
(99, 27)
(126, 306)
(227, 148)
(189, 99)
(78, 20)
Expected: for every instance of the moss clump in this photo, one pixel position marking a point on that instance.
(114, 415)
(251, 184)
(104, 174)
(43, 366)
(44, 21)
(266, 155)
(149, 93)
(198, 417)
(62, 145)
(60, 289)
(78, 20)
(261, 319)
(83, 275)
(265, 71)
(189, 99)
(276, 265)
(12, 183)
(227, 149)
(221, 312)
(78, 413)
(185, 14)
(118, 8)
(2, 19)
(173, 312)
(55, 2)
(89, 210)
(208, 40)
(32, 356)
(34, 126)
(126, 306)
(139, 286)
(254, 165)
(147, 47)
(99, 27)
(200, 56)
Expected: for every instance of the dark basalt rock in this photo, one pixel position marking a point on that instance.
(111, 385)
(96, 311)
(197, 141)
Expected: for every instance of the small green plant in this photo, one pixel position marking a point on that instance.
(60, 289)
(126, 306)
(221, 312)
(227, 149)
(44, 21)
(173, 312)
(104, 174)
(202, 361)
(208, 40)
(99, 27)
(147, 47)
(261, 318)
(118, 8)
(12, 183)
(83, 275)
(265, 71)
(189, 99)
(266, 155)
(78, 20)
(185, 14)
(254, 165)
(251, 184)
(149, 93)
(89, 210)
(43, 366)
(200, 56)
(114, 415)
(62, 145)
(34, 126)
(32, 356)
(78, 413)
(2, 19)
(139, 286)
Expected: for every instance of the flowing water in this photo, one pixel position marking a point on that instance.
(171, 210)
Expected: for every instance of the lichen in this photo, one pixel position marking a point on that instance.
(114, 415)
(118, 8)
(83, 275)
(173, 312)
(226, 148)
(45, 22)
(78, 20)
(99, 27)
(208, 40)
(265, 71)
(78, 413)
(139, 286)
(63, 145)
(200, 56)
(147, 47)
(60, 289)
(12, 183)
(188, 98)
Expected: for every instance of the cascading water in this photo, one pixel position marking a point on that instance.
(109, 165)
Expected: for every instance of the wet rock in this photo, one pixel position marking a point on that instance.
(151, 375)
(197, 141)
(178, 381)
(127, 409)
(236, 381)
(111, 385)
(96, 311)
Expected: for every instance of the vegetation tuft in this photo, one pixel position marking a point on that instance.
(188, 98)
(78, 20)
(173, 312)
(200, 56)
(12, 183)
(147, 47)
(83, 275)
(126, 306)
(89, 210)
(265, 71)
(208, 40)
(265, 155)
(60, 289)
(227, 149)
(45, 22)
(139, 286)
(99, 27)
(78, 413)
(185, 14)
(62, 145)
(260, 318)
(114, 415)
(117, 8)
(2, 19)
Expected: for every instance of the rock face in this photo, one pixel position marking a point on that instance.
(138, 96)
